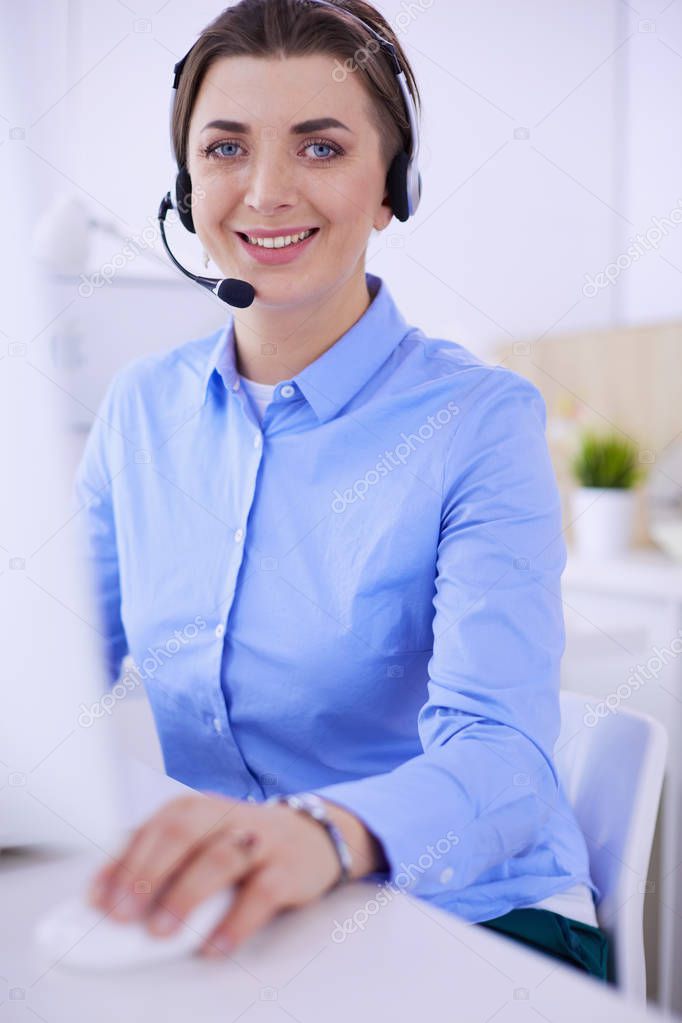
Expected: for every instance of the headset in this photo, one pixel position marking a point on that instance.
(403, 180)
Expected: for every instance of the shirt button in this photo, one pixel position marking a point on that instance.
(235, 385)
(218, 725)
(220, 631)
(446, 875)
(287, 391)
(238, 535)
(250, 799)
(257, 440)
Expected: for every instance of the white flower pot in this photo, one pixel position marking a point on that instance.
(602, 521)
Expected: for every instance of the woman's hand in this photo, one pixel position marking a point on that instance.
(277, 858)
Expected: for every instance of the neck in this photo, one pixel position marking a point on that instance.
(273, 343)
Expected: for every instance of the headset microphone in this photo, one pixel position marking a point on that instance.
(230, 290)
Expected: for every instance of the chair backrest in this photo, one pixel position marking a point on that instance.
(611, 765)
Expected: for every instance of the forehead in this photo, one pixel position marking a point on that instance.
(279, 90)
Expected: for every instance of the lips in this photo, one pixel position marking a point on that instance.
(276, 256)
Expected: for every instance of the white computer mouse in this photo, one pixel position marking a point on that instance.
(78, 936)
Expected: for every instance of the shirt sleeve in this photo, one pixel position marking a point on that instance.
(92, 499)
(486, 782)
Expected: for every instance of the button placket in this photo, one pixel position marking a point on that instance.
(217, 713)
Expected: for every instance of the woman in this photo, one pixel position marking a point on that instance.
(340, 538)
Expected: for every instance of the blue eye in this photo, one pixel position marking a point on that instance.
(221, 145)
(336, 150)
(319, 145)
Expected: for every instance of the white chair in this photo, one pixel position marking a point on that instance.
(612, 770)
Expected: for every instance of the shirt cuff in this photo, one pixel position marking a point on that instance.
(420, 864)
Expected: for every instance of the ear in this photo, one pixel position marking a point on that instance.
(384, 213)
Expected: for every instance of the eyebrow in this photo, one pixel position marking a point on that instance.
(303, 128)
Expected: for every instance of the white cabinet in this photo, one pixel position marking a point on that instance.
(624, 646)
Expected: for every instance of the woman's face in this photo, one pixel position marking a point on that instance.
(274, 172)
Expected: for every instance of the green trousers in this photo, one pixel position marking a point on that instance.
(578, 944)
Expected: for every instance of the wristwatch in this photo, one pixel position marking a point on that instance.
(309, 803)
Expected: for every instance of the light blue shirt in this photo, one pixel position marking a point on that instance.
(358, 597)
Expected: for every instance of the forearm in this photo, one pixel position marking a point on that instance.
(465, 806)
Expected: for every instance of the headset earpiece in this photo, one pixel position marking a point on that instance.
(396, 183)
(183, 199)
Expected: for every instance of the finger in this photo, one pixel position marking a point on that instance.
(158, 849)
(216, 864)
(103, 882)
(113, 885)
(100, 883)
(162, 848)
(260, 898)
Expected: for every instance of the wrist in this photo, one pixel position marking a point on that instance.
(366, 850)
(316, 809)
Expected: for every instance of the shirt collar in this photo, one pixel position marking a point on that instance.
(337, 375)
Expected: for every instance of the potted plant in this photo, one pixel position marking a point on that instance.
(606, 467)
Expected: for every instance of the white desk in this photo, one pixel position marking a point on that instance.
(410, 962)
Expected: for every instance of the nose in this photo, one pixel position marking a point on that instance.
(271, 183)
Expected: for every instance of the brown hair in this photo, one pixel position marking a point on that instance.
(292, 28)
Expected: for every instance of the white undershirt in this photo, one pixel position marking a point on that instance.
(576, 902)
(260, 395)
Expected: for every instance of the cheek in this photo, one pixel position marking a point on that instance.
(363, 189)
(219, 196)
(210, 179)
(344, 201)
(214, 217)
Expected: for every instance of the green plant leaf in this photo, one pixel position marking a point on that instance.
(606, 460)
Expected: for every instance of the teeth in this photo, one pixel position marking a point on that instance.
(280, 241)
